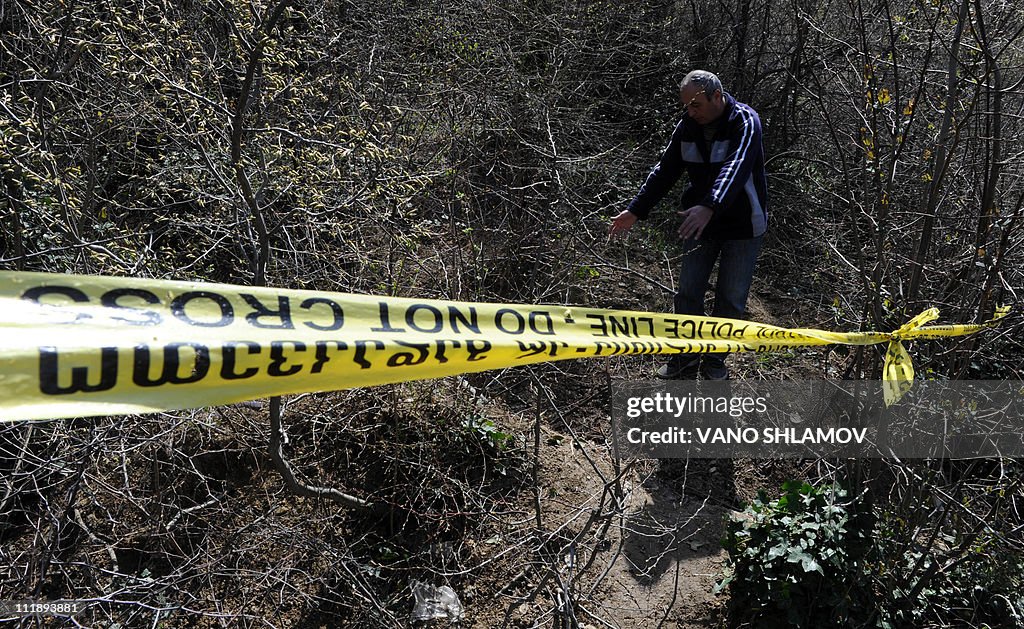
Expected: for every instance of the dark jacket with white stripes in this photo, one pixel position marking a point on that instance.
(727, 176)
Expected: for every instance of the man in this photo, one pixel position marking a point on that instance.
(718, 144)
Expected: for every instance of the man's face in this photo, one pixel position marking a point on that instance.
(701, 108)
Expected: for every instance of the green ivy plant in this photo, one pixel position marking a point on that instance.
(798, 561)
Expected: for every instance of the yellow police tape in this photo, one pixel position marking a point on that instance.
(73, 346)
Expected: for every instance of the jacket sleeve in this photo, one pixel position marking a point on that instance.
(744, 149)
(661, 178)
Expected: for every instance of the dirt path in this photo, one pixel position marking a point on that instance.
(661, 556)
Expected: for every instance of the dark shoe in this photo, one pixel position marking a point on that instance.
(679, 366)
(714, 368)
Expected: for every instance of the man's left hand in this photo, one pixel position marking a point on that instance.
(695, 219)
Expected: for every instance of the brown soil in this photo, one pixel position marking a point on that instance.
(660, 560)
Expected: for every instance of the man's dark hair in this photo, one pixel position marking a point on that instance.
(707, 81)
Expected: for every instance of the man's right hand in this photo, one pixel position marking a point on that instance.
(695, 219)
(622, 223)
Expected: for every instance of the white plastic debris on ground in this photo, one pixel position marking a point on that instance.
(434, 603)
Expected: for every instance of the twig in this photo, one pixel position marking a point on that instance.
(288, 474)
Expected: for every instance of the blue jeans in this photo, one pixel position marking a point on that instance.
(736, 262)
